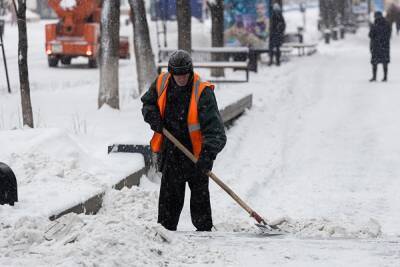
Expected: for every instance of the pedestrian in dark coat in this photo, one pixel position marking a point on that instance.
(379, 34)
(176, 168)
(277, 32)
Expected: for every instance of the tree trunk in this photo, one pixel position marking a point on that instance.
(341, 5)
(326, 13)
(2, 7)
(217, 32)
(27, 115)
(332, 13)
(184, 18)
(109, 54)
(145, 65)
(347, 19)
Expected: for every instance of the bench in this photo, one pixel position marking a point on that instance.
(236, 58)
(302, 48)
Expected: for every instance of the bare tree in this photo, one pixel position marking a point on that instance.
(3, 7)
(184, 18)
(20, 11)
(345, 11)
(145, 65)
(330, 12)
(109, 54)
(217, 32)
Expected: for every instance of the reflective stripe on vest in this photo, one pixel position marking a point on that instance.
(193, 120)
(163, 83)
(194, 127)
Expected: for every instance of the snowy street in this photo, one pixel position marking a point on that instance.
(320, 147)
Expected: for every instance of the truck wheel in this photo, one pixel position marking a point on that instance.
(92, 63)
(66, 60)
(53, 61)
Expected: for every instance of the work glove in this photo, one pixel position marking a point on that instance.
(156, 123)
(205, 163)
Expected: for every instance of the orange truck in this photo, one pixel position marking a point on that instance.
(77, 33)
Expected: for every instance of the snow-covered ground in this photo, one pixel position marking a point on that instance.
(319, 146)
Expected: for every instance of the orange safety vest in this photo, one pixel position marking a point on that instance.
(193, 118)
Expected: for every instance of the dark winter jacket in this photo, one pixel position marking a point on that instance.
(175, 119)
(380, 41)
(277, 28)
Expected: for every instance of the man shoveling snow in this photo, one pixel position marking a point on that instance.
(180, 102)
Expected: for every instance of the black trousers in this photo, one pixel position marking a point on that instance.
(172, 195)
(275, 50)
(375, 70)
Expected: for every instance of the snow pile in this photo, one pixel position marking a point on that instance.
(68, 4)
(20, 236)
(54, 171)
(324, 228)
(302, 228)
(123, 233)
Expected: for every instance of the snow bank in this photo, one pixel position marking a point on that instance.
(54, 171)
(324, 228)
(123, 233)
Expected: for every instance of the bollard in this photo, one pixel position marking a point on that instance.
(335, 36)
(8, 185)
(342, 32)
(327, 36)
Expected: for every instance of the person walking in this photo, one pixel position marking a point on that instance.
(182, 103)
(379, 34)
(277, 31)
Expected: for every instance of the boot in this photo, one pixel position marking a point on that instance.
(278, 57)
(374, 70)
(271, 56)
(385, 71)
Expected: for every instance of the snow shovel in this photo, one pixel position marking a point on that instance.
(261, 223)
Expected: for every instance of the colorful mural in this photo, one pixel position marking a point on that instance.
(166, 9)
(246, 23)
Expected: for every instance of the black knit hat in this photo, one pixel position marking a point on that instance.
(378, 14)
(180, 63)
